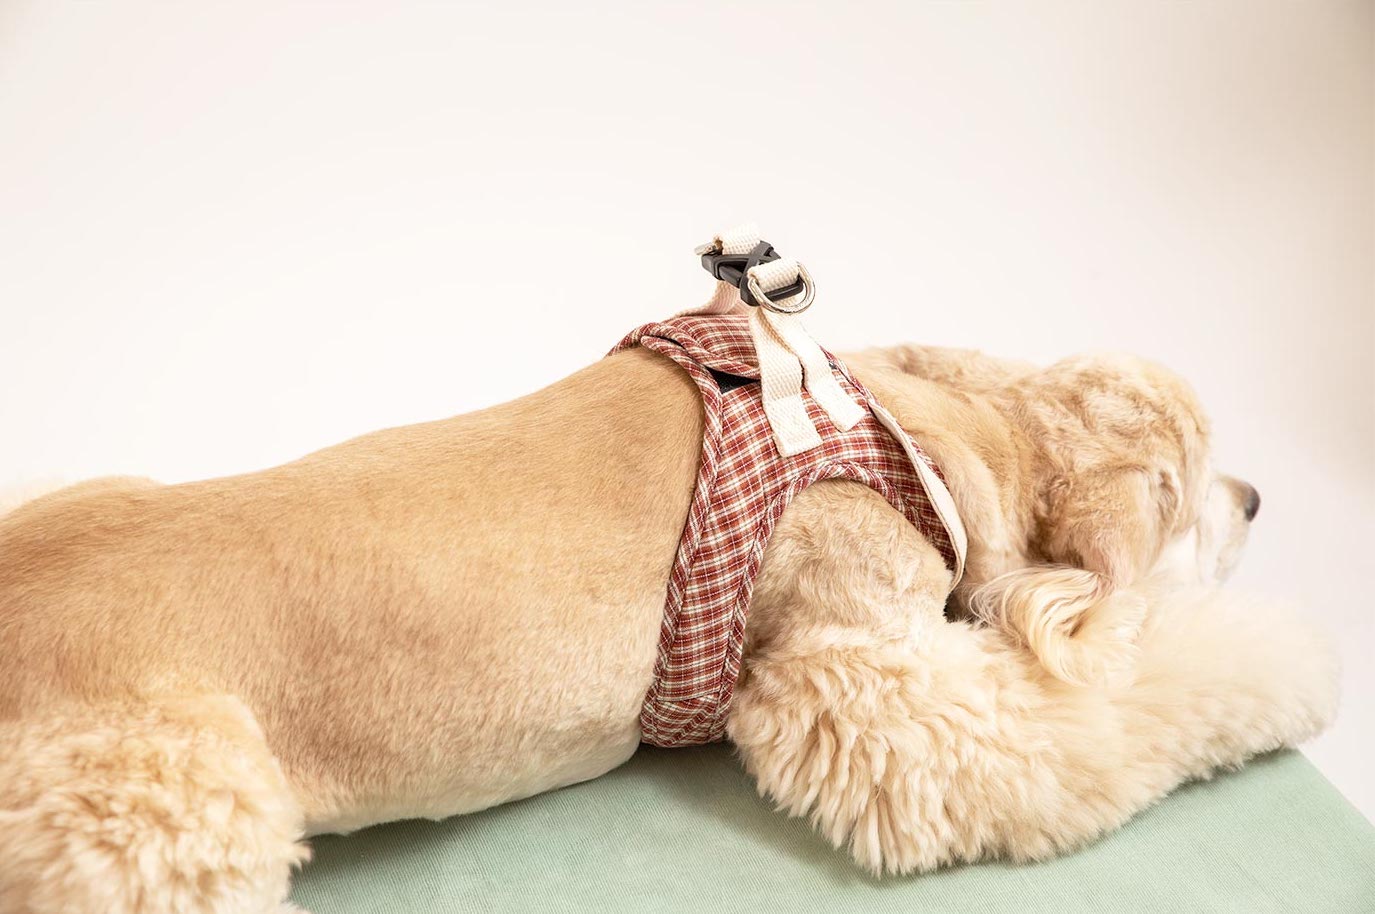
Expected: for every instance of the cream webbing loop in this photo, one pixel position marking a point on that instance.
(738, 240)
(789, 359)
(780, 381)
(818, 377)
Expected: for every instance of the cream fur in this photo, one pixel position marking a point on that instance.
(435, 619)
(1079, 630)
(167, 806)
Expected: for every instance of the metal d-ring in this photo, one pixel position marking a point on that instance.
(808, 293)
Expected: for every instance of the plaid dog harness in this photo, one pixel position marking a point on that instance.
(744, 483)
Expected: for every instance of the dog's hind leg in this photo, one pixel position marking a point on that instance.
(167, 805)
(945, 742)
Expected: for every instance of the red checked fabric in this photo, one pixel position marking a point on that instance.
(742, 488)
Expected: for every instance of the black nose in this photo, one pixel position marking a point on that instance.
(1250, 501)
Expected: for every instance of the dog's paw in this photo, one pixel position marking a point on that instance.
(1241, 674)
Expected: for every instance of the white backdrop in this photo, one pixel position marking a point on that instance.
(233, 233)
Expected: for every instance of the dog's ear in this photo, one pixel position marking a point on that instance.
(1099, 532)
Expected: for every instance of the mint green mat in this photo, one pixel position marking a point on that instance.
(682, 830)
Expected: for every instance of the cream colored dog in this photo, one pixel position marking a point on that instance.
(434, 619)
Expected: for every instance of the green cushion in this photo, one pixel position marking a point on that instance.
(683, 830)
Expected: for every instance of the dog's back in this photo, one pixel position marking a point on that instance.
(422, 621)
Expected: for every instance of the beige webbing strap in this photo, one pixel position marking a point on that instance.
(936, 492)
(780, 382)
(789, 359)
(818, 377)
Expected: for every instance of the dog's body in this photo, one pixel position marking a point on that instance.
(434, 619)
(422, 620)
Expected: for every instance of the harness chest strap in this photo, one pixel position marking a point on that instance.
(806, 419)
(744, 485)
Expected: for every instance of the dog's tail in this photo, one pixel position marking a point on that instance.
(174, 805)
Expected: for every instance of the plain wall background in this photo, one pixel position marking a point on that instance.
(234, 233)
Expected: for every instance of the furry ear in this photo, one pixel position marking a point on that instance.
(1101, 529)
(1078, 624)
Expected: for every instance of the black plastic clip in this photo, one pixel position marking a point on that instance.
(735, 269)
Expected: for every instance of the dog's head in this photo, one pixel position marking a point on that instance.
(1076, 482)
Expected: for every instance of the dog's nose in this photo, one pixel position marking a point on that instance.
(1250, 501)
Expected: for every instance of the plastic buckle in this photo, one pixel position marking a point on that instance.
(735, 270)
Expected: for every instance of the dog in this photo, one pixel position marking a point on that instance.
(431, 620)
